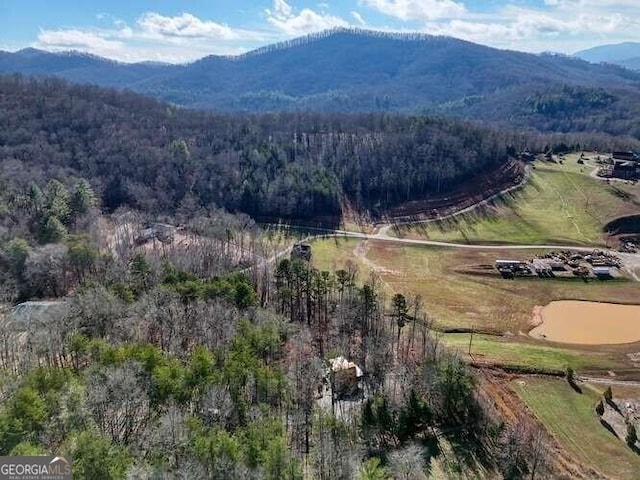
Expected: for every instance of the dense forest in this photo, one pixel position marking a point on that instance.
(158, 158)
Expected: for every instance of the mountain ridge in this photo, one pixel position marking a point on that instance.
(615, 53)
(352, 70)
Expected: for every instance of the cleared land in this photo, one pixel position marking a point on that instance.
(454, 298)
(561, 204)
(571, 419)
(515, 352)
(461, 290)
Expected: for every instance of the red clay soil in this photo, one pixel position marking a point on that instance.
(465, 195)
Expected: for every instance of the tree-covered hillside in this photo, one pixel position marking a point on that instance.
(360, 71)
(154, 157)
(178, 361)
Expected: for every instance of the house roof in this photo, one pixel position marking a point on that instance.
(341, 363)
(28, 314)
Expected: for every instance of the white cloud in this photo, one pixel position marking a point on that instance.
(557, 25)
(531, 29)
(184, 25)
(282, 8)
(181, 38)
(421, 10)
(74, 39)
(284, 18)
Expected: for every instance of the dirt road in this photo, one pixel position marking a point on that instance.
(631, 261)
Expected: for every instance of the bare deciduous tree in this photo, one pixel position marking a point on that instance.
(407, 464)
(118, 402)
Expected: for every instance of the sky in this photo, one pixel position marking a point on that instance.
(180, 31)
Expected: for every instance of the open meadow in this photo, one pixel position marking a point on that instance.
(571, 419)
(455, 297)
(560, 204)
(458, 299)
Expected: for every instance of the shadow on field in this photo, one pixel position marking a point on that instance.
(606, 425)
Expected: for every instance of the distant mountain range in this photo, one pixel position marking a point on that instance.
(624, 54)
(359, 71)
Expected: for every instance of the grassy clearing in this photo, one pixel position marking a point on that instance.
(571, 419)
(455, 299)
(514, 352)
(334, 253)
(561, 204)
(619, 391)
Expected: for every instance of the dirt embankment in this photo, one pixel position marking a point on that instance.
(625, 228)
(496, 388)
(466, 194)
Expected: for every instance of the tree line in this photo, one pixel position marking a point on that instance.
(157, 158)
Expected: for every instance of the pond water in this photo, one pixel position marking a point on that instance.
(588, 323)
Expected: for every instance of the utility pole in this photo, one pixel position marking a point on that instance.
(470, 340)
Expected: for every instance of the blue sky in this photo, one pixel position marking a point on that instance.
(183, 30)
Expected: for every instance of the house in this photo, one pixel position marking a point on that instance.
(626, 156)
(161, 231)
(164, 232)
(345, 376)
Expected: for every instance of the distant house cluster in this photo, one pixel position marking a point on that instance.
(624, 165)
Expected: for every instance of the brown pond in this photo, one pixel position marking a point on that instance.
(589, 323)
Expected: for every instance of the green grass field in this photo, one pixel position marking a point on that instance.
(454, 299)
(511, 351)
(561, 204)
(571, 419)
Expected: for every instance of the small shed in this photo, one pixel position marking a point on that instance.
(557, 265)
(500, 264)
(301, 251)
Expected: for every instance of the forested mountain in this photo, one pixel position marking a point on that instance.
(149, 155)
(632, 63)
(626, 54)
(154, 157)
(360, 71)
